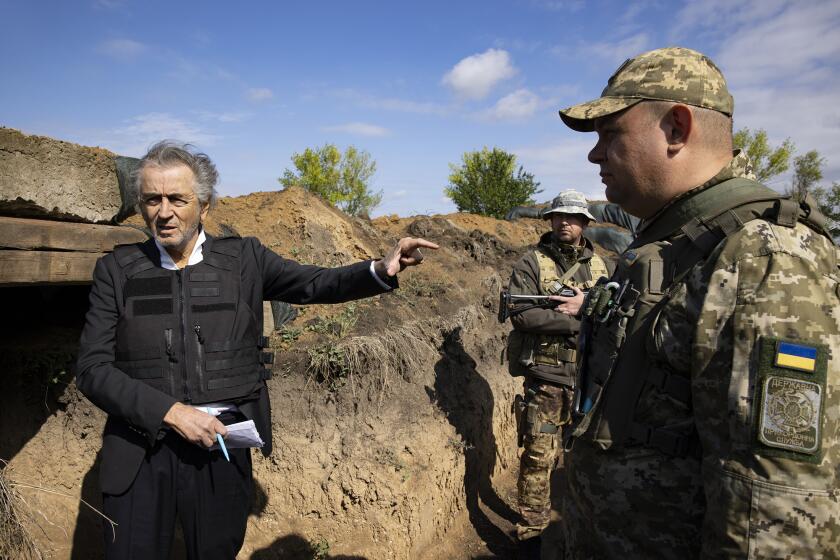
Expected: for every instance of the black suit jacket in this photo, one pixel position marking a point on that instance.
(136, 410)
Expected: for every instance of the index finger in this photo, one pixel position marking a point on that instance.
(220, 428)
(415, 242)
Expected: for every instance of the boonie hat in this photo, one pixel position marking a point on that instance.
(568, 202)
(672, 74)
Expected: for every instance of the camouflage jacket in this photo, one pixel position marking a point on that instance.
(525, 279)
(753, 329)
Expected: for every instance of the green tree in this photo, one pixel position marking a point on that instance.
(767, 162)
(829, 203)
(487, 183)
(807, 172)
(341, 180)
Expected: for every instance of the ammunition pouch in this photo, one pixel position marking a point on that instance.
(526, 350)
(552, 351)
(520, 353)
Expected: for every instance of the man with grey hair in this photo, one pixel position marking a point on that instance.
(172, 351)
(543, 349)
(707, 416)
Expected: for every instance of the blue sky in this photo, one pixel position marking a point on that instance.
(415, 84)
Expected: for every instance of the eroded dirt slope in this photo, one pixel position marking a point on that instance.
(392, 431)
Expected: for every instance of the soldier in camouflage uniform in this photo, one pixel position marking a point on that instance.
(546, 340)
(707, 414)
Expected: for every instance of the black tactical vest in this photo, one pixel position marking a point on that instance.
(188, 332)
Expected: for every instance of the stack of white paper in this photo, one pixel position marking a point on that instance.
(241, 434)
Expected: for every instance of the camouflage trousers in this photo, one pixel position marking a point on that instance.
(547, 408)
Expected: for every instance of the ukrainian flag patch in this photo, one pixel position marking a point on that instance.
(799, 357)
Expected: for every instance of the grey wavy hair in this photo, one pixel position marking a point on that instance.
(170, 152)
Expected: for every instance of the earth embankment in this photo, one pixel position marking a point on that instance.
(392, 426)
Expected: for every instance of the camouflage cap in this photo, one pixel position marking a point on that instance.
(671, 74)
(568, 202)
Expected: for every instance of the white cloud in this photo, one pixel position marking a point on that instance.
(409, 106)
(780, 60)
(516, 106)
(617, 52)
(392, 103)
(559, 5)
(121, 48)
(358, 129)
(722, 15)
(224, 117)
(140, 132)
(788, 45)
(223, 74)
(614, 52)
(110, 4)
(475, 76)
(633, 19)
(561, 166)
(260, 94)
(189, 71)
(201, 37)
(524, 45)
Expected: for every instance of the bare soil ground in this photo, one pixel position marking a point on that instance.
(393, 436)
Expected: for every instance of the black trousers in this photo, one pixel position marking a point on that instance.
(177, 479)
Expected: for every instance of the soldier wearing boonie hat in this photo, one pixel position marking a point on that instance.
(568, 202)
(543, 349)
(705, 417)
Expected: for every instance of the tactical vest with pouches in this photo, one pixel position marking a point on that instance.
(189, 333)
(617, 366)
(553, 350)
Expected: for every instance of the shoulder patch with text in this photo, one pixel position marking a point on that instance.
(790, 391)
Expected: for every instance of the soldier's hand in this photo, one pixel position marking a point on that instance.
(405, 253)
(194, 425)
(570, 305)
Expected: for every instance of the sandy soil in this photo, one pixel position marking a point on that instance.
(393, 435)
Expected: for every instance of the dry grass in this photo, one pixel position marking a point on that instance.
(15, 539)
(398, 351)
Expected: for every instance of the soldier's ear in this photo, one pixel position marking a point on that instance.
(679, 126)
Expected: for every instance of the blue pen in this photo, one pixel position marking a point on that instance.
(219, 437)
(221, 441)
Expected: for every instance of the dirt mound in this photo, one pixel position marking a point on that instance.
(393, 435)
(298, 225)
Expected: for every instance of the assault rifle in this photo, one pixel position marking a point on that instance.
(511, 304)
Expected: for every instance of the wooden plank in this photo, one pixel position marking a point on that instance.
(23, 233)
(25, 268)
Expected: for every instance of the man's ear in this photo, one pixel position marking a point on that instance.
(680, 121)
(205, 209)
